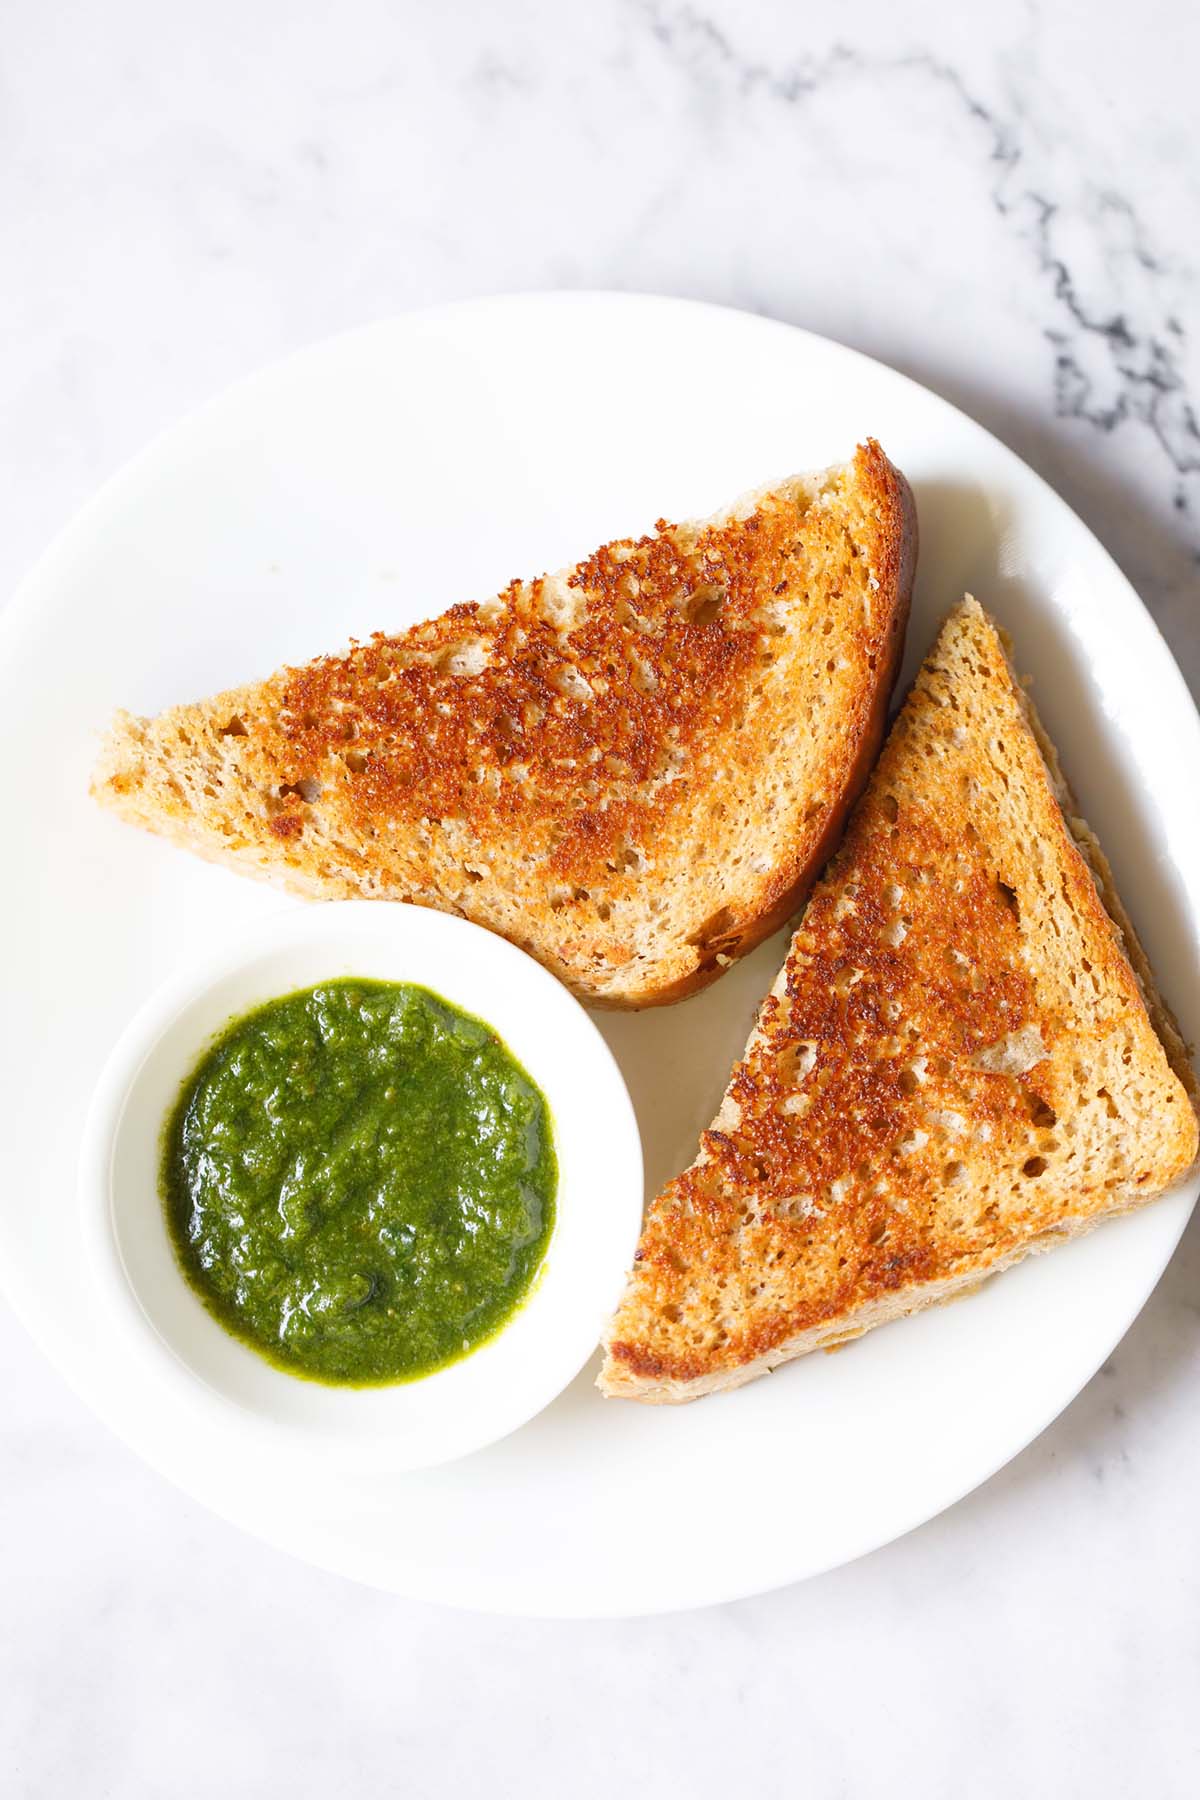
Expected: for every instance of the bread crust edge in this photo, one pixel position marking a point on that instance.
(788, 889)
(618, 1383)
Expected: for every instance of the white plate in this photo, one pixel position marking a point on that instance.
(370, 482)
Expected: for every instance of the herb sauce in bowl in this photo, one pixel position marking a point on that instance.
(359, 1181)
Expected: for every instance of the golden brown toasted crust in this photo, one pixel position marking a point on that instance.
(955, 1067)
(633, 770)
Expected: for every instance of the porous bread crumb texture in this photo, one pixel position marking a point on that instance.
(955, 1067)
(632, 769)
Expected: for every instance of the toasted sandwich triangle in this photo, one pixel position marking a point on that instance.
(633, 768)
(963, 1060)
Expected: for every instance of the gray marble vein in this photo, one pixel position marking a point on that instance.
(1115, 345)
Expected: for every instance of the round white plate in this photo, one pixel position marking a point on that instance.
(371, 482)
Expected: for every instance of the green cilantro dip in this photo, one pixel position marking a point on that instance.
(359, 1181)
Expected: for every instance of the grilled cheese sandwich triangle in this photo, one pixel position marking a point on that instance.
(963, 1060)
(633, 768)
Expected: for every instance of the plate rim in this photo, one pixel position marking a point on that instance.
(20, 602)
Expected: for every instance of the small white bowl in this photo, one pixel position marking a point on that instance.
(507, 1379)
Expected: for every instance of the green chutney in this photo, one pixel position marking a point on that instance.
(359, 1181)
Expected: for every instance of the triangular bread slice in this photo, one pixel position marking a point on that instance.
(633, 769)
(963, 1060)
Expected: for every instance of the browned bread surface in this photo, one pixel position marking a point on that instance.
(632, 769)
(962, 1061)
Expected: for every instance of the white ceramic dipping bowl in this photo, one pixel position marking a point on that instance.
(508, 1378)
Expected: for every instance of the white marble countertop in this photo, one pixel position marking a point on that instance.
(1004, 204)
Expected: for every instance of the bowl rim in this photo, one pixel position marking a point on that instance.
(507, 1379)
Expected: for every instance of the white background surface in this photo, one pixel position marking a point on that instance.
(1006, 210)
